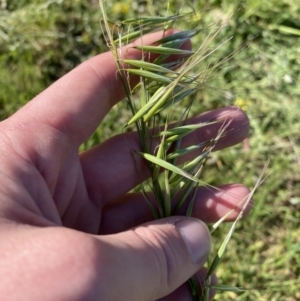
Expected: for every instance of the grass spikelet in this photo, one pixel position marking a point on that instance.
(162, 163)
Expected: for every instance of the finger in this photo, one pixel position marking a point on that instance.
(107, 165)
(152, 260)
(210, 205)
(77, 103)
(145, 263)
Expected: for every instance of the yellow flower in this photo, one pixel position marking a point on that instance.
(121, 8)
(197, 16)
(86, 39)
(242, 103)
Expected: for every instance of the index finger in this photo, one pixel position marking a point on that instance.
(78, 102)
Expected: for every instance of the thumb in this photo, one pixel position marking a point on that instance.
(152, 260)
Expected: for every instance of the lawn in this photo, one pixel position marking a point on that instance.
(42, 40)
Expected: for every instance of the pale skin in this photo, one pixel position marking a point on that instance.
(56, 204)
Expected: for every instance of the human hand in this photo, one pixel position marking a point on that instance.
(56, 204)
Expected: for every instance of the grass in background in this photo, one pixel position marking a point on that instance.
(42, 40)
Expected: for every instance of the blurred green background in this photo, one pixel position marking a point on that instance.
(42, 40)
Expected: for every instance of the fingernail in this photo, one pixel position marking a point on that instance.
(196, 237)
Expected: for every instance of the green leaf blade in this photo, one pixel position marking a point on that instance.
(164, 50)
(167, 165)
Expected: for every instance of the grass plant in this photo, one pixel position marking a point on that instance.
(169, 79)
